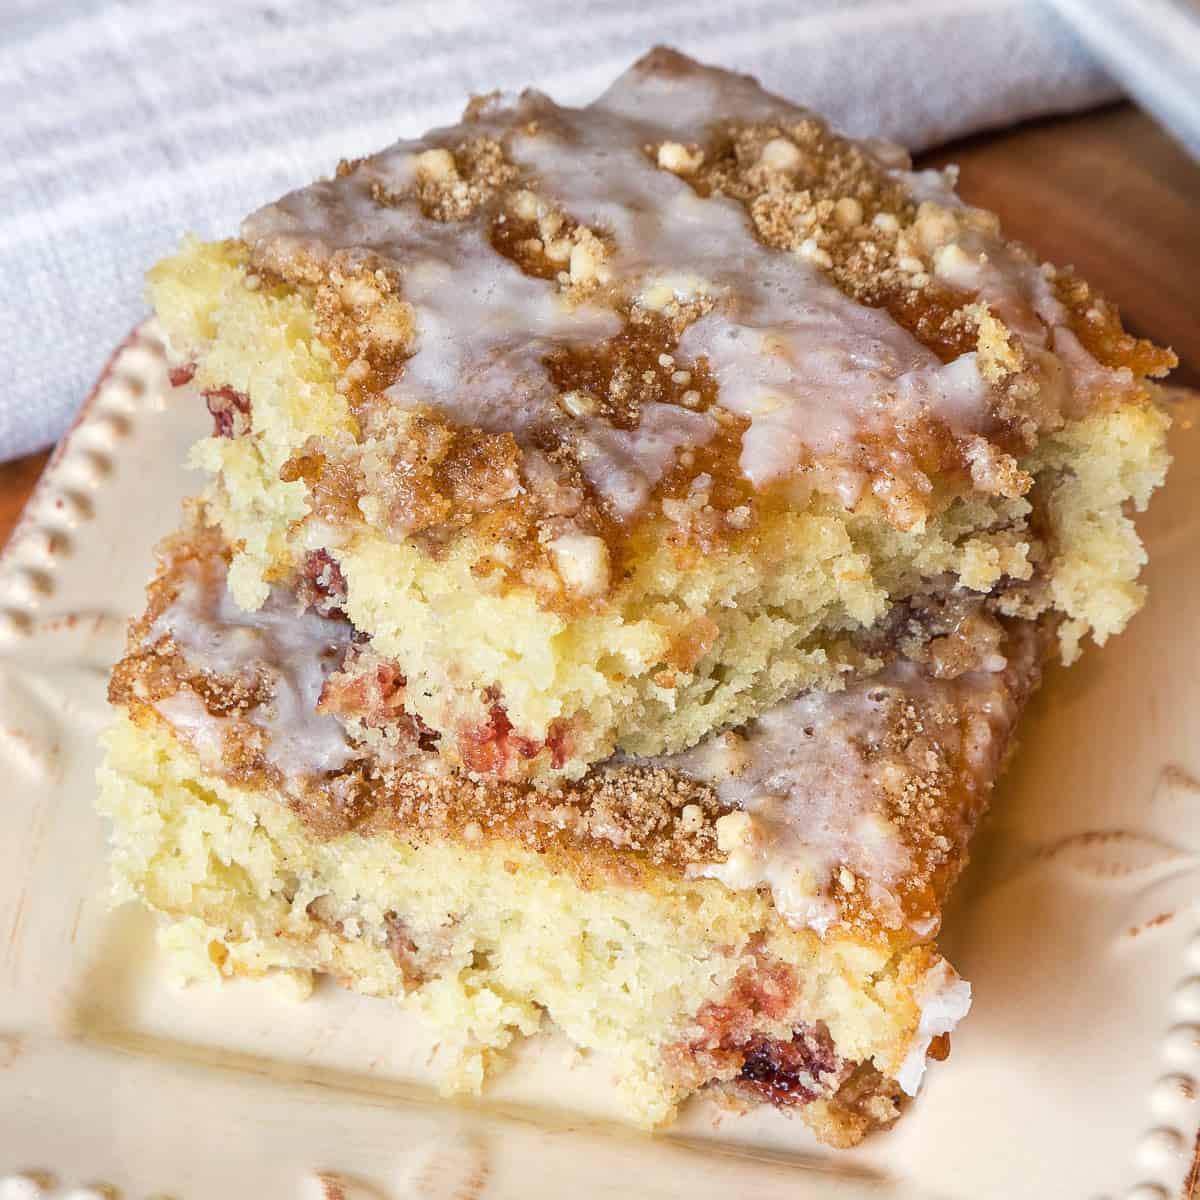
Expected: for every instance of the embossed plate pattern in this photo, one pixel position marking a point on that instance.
(1075, 1076)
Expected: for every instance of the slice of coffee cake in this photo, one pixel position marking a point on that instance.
(754, 917)
(618, 425)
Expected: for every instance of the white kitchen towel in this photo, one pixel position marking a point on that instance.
(125, 123)
(1152, 47)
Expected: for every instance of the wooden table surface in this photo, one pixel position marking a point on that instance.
(1107, 192)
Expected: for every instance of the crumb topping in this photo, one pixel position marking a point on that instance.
(550, 244)
(1096, 322)
(364, 320)
(614, 379)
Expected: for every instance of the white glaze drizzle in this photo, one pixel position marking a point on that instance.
(296, 651)
(812, 369)
(943, 999)
(807, 365)
(809, 775)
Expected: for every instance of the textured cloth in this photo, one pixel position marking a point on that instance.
(1152, 47)
(125, 123)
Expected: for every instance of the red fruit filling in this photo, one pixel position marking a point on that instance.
(492, 748)
(230, 410)
(371, 690)
(321, 584)
(785, 1072)
(788, 1074)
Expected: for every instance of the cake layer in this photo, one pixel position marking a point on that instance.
(754, 916)
(619, 425)
(883, 779)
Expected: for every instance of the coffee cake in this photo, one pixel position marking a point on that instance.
(631, 536)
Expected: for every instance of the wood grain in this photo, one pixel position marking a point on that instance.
(1108, 192)
(16, 482)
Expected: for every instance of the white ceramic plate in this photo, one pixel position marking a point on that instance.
(1075, 1076)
